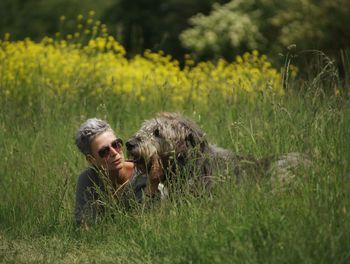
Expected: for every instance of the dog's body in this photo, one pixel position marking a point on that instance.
(171, 145)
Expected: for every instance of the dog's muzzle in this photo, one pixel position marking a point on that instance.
(133, 151)
(131, 144)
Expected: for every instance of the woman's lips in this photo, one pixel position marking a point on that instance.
(116, 162)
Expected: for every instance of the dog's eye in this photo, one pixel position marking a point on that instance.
(156, 132)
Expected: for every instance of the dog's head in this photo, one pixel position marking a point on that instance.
(167, 136)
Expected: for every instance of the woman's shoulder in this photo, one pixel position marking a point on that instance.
(88, 176)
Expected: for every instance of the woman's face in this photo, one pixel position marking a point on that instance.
(106, 152)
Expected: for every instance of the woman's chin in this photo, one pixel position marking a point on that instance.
(115, 167)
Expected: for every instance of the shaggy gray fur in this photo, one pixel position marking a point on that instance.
(180, 147)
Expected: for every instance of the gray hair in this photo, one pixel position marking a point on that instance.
(88, 131)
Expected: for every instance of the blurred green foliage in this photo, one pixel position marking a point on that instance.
(227, 29)
(206, 28)
(269, 25)
(153, 24)
(38, 18)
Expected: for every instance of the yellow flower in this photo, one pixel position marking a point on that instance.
(99, 67)
(7, 36)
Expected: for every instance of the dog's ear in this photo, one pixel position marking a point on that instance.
(191, 140)
(194, 139)
(192, 134)
(198, 142)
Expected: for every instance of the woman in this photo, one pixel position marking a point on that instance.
(108, 173)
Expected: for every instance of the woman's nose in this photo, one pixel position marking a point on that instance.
(114, 152)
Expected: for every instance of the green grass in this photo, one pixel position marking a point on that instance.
(307, 222)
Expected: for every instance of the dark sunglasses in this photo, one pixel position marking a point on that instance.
(116, 145)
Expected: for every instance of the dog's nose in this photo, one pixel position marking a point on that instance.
(130, 144)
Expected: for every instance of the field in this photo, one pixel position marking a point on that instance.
(48, 89)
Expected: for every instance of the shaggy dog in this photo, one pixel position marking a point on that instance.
(171, 146)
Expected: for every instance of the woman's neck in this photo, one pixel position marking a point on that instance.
(123, 175)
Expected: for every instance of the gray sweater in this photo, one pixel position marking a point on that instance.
(90, 189)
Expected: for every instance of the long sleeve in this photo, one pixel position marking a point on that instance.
(86, 197)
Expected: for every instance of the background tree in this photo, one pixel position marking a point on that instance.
(206, 28)
(153, 24)
(314, 24)
(229, 29)
(269, 26)
(37, 18)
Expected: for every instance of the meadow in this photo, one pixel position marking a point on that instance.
(49, 88)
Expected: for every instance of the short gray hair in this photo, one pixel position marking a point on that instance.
(88, 131)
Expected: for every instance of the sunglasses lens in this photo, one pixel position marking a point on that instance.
(117, 144)
(103, 152)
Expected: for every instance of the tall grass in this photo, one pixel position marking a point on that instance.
(308, 221)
